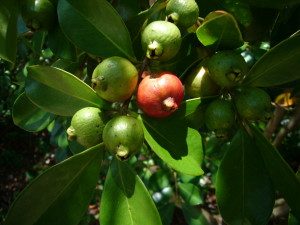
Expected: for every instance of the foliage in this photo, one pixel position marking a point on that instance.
(45, 78)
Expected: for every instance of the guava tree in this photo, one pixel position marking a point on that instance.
(155, 95)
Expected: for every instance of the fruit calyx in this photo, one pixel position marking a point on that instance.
(169, 104)
(100, 83)
(235, 75)
(154, 50)
(122, 153)
(173, 18)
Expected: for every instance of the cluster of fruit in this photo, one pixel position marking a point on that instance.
(159, 94)
(116, 79)
(221, 75)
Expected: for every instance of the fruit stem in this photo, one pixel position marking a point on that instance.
(169, 104)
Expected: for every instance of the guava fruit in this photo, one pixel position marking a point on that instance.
(227, 68)
(198, 82)
(38, 14)
(123, 136)
(219, 116)
(161, 40)
(183, 13)
(87, 126)
(253, 103)
(115, 79)
(159, 95)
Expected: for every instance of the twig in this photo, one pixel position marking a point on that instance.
(275, 121)
(294, 123)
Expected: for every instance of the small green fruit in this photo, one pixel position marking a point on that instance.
(115, 79)
(161, 40)
(38, 14)
(219, 117)
(87, 126)
(183, 13)
(123, 136)
(253, 103)
(199, 84)
(227, 68)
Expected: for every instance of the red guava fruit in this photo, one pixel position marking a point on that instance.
(159, 95)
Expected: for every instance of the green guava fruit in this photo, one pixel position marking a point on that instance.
(38, 14)
(199, 84)
(219, 116)
(123, 136)
(183, 13)
(227, 68)
(115, 79)
(87, 126)
(253, 103)
(161, 40)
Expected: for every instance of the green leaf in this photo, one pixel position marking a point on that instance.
(8, 30)
(28, 116)
(278, 66)
(95, 27)
(136, 23)
(244, 191)
(283, 177)
(190, 193)
(125, 199)
(60, 45)
(292, 219)
(166, 212)
(174, 142)
(220, 30)
(59, 92)
(194, 216)
(61, 194)
(280, 4)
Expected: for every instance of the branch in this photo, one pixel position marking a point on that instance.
(274, 122)
(293, 124)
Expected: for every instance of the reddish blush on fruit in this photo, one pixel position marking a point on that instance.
(159, 95)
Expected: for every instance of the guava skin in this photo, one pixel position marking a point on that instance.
(115, 79)
(219, 116)
(183, 13)
(227, 68)
(87, 126)
(161, 40)
(159, 95)
(253, 103)
(38, 14)
(199, 84)
(123, 136)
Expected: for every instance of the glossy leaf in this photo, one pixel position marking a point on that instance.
(244, 191)
(278, 66)
(59, 92)
(190, 193)
(174, 142)
(280, 4)
(28, 116)
(220, 30)
(61, 194)
(60, 45)
(8, 30)
(95, 27)
(292, 219)
(194, 216)
(125, 199)
(135, 24)
(283, 177)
